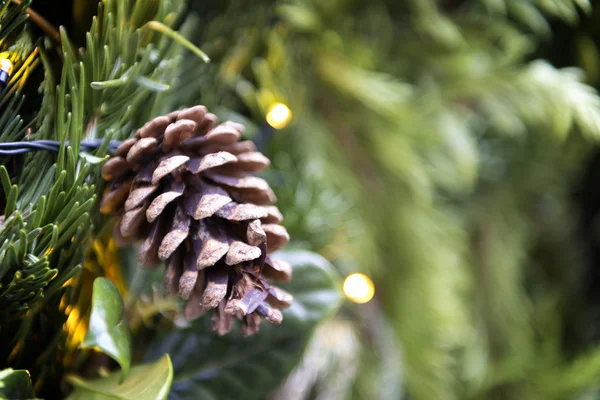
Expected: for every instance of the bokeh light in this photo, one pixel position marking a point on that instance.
(359, 288)
(279, 115)
(6, 65)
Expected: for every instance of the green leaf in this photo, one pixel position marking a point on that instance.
(232, 367)
(108, 328)
(15, 384)
(316, 288)
(144, 382)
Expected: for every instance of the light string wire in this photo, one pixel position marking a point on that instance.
(16, 148)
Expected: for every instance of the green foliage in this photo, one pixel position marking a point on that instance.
(230, 367)
(121, 77)
(108, 328)
(125, 60)
(431, 148)
(34, 232)
(450, 151)
(531, 14)
(15, 384)
(49, 201)
(54, 207)
(144, 382)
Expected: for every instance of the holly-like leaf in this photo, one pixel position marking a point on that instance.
(15, 384)
(315, 286)
(232, 367)
(144, 382)
(108, 328)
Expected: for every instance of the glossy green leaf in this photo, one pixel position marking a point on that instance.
(15, 384)
(108, 328)
(232, 367)
(316, 287)
(144, 382)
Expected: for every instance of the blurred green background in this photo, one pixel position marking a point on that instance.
(447, 149)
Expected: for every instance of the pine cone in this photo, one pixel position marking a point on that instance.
(182, 185)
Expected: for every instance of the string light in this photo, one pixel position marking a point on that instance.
(359, 288)
(6, 67)
(279, 115)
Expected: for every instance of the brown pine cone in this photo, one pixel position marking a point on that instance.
(183, 186)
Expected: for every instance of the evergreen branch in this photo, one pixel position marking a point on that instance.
(49, 217)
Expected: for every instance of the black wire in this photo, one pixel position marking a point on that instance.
(16, 148)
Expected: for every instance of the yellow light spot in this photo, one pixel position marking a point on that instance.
(78, 335)
(72, 321)
(64, 302)
(359, 288)
(279, 115)
(6, 65)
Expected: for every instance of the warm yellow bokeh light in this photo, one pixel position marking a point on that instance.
(6, 65)
(279, 115)
(359, 288)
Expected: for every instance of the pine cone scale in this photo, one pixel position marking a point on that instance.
(195, 114)
(253, 161)
(167, 166)
(240, 252)
(178, 232)
(190, 276)
(124, 149)
(154, 127)
(114, 168)
(279, 298)
(255, 234)
(115, 196)
(142, 148)
(241, 212)
(138, 196)
(247, 304)
(277, 270)
(173, 273)
(161, 201)
(216, 287)
(177, 132)
(131, 222)
(206, 203)
(274, 216)
(147, 253)
(213, 160)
